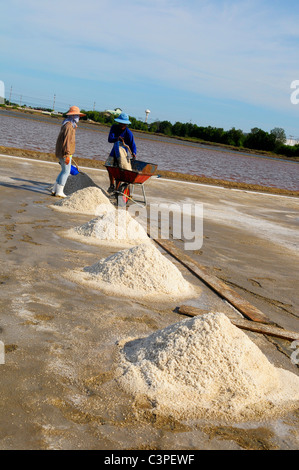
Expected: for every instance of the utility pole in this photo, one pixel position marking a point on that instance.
(10, 95)
(20, 100)
(54, 103)
(94, 105)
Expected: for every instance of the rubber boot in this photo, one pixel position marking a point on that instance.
(54, 189)
(59, 191)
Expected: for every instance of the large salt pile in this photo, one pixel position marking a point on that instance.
(90, 200)
(140, 271)
(114, 228)
(205, 367)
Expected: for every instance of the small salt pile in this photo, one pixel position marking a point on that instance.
(114, 228)
(90, 200)
(206, 367)
(140, 271)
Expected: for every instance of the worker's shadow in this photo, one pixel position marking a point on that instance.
(29, 185)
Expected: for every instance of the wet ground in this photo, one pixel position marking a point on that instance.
(57, 382)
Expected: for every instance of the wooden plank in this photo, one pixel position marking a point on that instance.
(218, 286)
(246, 324)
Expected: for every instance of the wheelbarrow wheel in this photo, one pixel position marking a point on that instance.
(123, 194)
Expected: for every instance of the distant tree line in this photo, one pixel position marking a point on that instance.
(16, 105)
(258, 139)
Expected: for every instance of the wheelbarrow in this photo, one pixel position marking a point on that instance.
(125, 180)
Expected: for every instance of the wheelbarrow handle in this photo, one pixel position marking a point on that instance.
(75, 164)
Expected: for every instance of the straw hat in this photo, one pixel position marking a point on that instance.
(74, 110)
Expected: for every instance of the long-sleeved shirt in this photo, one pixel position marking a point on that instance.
(126, 134)
(66, 141)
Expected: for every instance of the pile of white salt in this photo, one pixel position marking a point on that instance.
(205, 367)
(140, 271)
(114, 228)
(90, 200)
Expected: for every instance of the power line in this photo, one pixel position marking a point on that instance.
(49, 103)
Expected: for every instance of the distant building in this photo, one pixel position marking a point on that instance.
(292, 142)
(113, 112)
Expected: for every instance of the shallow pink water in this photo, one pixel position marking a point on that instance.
(169, 154)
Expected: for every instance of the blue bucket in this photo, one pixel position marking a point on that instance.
(74, 170)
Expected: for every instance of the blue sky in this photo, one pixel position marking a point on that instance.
(224, 63)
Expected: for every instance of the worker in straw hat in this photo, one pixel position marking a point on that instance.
(65, 148)
(120, 132)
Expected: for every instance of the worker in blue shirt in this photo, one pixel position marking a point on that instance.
(120, 131)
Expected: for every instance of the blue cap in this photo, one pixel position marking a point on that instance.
(123, 118)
